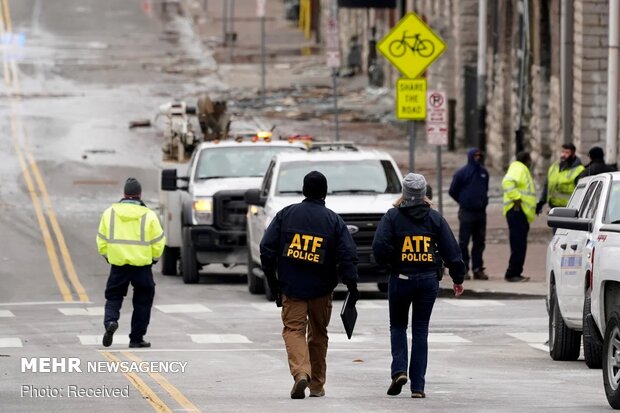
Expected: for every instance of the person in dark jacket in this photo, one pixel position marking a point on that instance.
(309, 247)
(470, 189)
(407, 240)
(597, 163)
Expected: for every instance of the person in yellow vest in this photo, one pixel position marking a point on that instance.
(131, 239)
(561, 179)
(519, 210)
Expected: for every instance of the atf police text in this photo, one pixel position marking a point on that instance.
(416, 248)
(306, 248)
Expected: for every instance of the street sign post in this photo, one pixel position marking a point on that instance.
(411, 46)
(437, 131)
(333, 60)
(260, 13)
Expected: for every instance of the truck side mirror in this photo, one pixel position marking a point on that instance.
(169, 180)
(253, 197)
(568, 218)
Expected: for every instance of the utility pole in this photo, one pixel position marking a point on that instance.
(611, 152)
(566, 71)
(482, 74)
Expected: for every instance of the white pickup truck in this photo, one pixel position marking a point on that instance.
(583, 274)
(362, 185)
(204, 220)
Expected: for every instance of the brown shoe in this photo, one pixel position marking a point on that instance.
(315, 393)
(467, 276)
(418, 395)
(299, 388)
(479, 274)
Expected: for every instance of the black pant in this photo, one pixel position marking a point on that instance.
(143, 292)
(518, 228)
(472, 225)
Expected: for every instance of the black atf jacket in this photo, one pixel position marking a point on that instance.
(408, 239)
(310, 247)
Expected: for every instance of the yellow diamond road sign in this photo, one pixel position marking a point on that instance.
(411, 46)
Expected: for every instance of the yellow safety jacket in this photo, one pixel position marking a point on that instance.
(130, 234)
(518, 184)
(561, 184)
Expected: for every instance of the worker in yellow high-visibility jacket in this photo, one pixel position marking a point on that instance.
(561, 179)
(520, 211)
(131, 239)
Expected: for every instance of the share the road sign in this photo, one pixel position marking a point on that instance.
(411, 99)
(411, 46)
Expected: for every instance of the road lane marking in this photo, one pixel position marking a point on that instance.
(7, 14)
(474, 303)
(166, 385)
(95, 340)
(446, 338)
(148, 393)
(342, 338)
(89, 311)
(5, 63)
(6, 313)
(33, 303)
(47, 238)
(182, 308)
(60, 239)
(219, 338)
(10, 342)
(258, 350)
(534, 340)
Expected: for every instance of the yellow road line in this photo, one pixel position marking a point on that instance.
(7, 14)
(47, 238)
(155, 402)
(64, 251)
(172, 391)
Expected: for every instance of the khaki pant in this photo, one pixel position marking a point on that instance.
(307, 356)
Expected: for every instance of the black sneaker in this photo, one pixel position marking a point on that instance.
(139, 344)
(517, 279)
(109, 333)
(397, 384)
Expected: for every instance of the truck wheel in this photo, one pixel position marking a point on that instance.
(255, 284)
(564, 343)
(189, 265)
(592, 348)
(169, 261)
(383, 287)
(611, 357)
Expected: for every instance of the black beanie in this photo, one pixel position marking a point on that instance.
(133, 189)
(315, 185)
(596, 153)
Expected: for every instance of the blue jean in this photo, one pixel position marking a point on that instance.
(419, 293)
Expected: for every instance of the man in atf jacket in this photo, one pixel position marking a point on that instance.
(131, 239)
(470, 189)
(597, 163)
(309, 246)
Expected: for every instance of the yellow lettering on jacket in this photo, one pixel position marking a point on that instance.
(416, 249)
(308, 250)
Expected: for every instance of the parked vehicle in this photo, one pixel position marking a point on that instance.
(204, 219)
(584, 269)
(362, 185)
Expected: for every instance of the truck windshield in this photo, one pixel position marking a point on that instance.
(343, 178)
(236, 161)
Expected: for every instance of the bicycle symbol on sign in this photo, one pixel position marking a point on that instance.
(398, 48)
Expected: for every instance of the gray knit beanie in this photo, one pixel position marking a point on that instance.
(414, 187)
(132, 189)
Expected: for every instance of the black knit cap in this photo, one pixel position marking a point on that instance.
(315, 185)
(133, 189)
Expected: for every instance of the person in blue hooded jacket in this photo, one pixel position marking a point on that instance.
(470, 188)
(412, 239)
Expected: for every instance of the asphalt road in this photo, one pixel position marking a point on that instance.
(75, 73)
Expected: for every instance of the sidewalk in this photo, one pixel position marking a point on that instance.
(299, 99)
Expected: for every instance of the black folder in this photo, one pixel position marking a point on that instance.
(348, 316)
